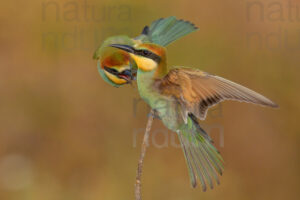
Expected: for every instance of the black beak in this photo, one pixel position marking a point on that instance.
(124, 47)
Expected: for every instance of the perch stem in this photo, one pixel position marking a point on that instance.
(138, 185)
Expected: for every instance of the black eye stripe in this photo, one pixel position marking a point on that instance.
(148, 54)
(111, 70)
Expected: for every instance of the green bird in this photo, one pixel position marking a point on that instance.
(116, 67)
(182, 95)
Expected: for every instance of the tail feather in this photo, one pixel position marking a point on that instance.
(202, 167)
(166, 30)
(215, 159)
(201, 156)
(209, 167)
(191, 163)
(188, 162)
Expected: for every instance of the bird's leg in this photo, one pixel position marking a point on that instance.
(154, 114)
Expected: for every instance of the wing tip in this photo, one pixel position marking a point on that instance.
(194, 184)
(268, 104)
(274, 105)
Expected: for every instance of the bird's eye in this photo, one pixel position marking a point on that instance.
(146, 52)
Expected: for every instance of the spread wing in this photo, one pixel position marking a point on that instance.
(197, 91)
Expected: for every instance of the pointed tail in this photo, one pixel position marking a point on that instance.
(202, 158)
(166, 30)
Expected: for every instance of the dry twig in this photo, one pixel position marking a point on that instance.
(138, 195)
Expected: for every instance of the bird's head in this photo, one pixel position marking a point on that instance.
(147, 56)
(115, 67)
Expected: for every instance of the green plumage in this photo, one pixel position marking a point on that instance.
(166, 30)
(104, 50)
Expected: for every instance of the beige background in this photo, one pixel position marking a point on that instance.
(66, 134)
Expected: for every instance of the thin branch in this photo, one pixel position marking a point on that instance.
(138, 185)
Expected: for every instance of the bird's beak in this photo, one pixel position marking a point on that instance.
(126, 75)
(124, 47)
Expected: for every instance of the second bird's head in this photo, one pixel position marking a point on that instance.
(116, 67)
(147, 56)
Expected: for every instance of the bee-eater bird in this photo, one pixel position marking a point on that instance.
(180, 96)
(116, 67)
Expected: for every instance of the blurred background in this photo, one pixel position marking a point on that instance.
(66, 134)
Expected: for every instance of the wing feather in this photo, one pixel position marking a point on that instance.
(197, 91)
